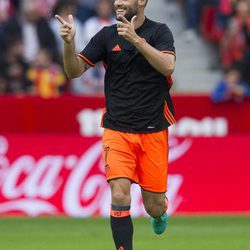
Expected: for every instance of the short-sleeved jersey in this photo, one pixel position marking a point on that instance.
(136, 95)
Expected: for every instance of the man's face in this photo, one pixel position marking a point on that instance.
(243, 8)
(126, 8)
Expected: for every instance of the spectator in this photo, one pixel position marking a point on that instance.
(2, 33)
(91, 4)
(13, 53)
(45, 7)
(17, 83)
(6, 7)
(46, 76)
(104, 17)
(235, 46)
(231, 87)
(225, 10)
(193, 12)
(192, 18)
(85, 9)
(32, 29)
(5, 11)
(92, 82)
(13, 69)
(3, 84)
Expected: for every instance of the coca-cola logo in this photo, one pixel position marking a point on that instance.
(72, 185)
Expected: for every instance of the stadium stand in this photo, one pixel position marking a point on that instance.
(204, 34)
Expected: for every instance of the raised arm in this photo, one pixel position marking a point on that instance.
(73, 65)
(162, 62)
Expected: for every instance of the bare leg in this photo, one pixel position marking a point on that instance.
(156, 206)
(120, 220)
(154, 203)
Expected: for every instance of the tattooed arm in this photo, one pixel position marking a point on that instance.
(73, 65)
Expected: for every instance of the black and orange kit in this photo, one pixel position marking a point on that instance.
(138, 108)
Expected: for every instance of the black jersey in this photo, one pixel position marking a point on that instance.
(137, 95)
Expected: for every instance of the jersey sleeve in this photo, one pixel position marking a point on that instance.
(94, 51)
(164, 40)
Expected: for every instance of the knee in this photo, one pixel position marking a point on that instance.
(154, 208)
(120, 191)
(120, 198)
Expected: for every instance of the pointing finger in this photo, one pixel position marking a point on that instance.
(71, 19)
(133, 20)
(123, 19)
(60, 19)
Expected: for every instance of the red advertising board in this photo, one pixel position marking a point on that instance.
(64, 175)
(66, 114)
(50, 157)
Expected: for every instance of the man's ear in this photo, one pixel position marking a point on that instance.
(143, 3)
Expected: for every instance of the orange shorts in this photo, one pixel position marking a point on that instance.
(142, 158)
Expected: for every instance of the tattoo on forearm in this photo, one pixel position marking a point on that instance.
(86, 66)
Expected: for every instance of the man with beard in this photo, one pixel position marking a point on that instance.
(139, 57)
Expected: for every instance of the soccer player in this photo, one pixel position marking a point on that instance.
(139, 57)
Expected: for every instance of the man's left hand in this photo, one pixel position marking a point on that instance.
(126, 29)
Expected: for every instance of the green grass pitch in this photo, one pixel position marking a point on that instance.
(184, 233)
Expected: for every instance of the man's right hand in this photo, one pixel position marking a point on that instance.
(68, 30)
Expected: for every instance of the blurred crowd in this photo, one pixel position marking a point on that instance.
(31, 48)
(226, 24)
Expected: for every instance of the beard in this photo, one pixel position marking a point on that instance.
(130, 13)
